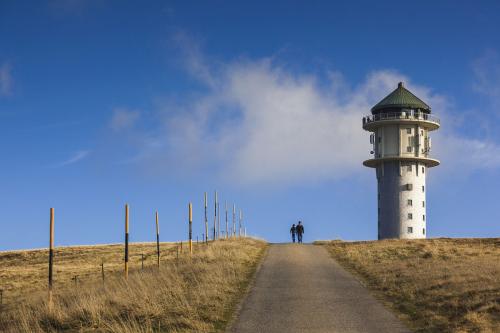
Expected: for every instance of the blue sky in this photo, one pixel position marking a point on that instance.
(107, 102)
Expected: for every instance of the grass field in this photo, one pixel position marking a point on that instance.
(435, 285)
(189, 294)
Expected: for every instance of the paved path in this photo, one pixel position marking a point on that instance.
(299, 288)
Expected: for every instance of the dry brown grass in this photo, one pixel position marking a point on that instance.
(436, 285)
(189, 294)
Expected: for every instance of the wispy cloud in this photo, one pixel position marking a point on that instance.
(5, 80)
(487, 76)
(76, 157)
(123, 119)
(259, 123)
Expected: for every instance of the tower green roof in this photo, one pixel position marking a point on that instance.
(401, 98)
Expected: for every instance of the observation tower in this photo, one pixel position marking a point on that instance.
(400, 126)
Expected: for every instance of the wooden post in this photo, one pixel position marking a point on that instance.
(190, 229)
(1, 298)
(239, 228)
(157, 240)
(206, 219)
(102, 271)
(234, 220)
(215, 216)
(181, 246)
(218, 220)
(51, 255)
(126, 241)
(225, 206)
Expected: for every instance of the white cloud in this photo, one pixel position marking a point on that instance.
(76, 157)
(259, 123)
(5, 80)
(487, 75)
(123, 119)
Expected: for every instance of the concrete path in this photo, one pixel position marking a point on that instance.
(300, 288)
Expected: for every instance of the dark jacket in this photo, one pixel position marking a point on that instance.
(300, 229)
(293, 230)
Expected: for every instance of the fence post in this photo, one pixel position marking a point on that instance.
(225, 207)
(239, 228)
(157, 240)
(206, 220)
(234, 220)
(190, 229)
(142, 261)
(215, 216)
(102, 272)
(1, 298)
(126, 241)
(218, 220)
(51, 255)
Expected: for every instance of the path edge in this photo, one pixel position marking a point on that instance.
(239, 306)
(377, 294)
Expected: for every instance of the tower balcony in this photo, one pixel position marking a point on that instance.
(374, 162)
(401, 117)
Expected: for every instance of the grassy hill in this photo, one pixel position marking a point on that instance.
(435, 285)
(187, 294)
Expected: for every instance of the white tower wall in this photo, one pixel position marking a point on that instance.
(401, 200)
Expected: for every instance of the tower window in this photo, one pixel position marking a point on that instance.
(423, 231)
(408, 168)
(423, 188)
(410, 216)
(423, 203)
(410, 202)
(408, 149)
(408, 130)
(410, 230)
(423, 169)
(423, 217)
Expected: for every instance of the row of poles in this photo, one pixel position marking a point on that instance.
(216, 231)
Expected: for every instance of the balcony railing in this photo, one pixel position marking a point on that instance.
(400, 115)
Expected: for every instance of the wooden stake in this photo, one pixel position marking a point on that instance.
(234, 220)
(126, 241)
(225, 206)
(206, 219)
(239, 228)
(218, 220)
(102, 272)
(51, 255)
(215, 216)
(190, 229)
(142, 261)
(157, 240)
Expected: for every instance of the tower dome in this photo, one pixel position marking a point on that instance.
(400, 98)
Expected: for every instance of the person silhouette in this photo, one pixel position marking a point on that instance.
(293, 231)
(300, 231)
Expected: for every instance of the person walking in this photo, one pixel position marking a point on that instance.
(293, 231)
(300, 231)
